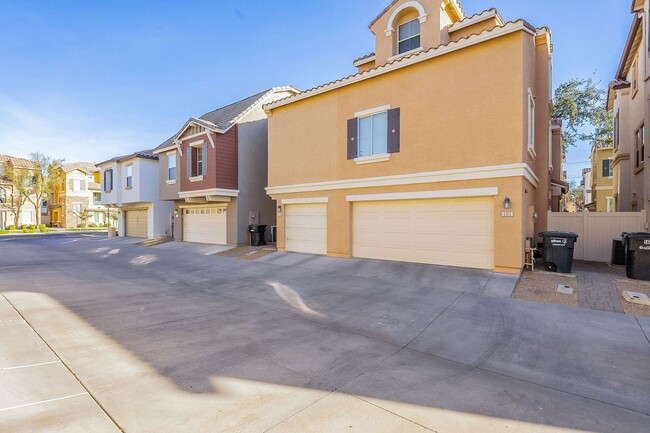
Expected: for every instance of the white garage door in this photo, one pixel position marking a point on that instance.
(136, 223)
(205, 225)
(450, 232)
(306, 228)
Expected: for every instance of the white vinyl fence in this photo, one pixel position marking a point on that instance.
(596, 230)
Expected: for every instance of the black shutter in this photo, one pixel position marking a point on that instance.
(393, 130)
(105, 183)
(353, 145)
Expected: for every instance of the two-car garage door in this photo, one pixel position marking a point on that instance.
(452, 232)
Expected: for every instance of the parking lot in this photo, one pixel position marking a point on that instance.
(135, 339)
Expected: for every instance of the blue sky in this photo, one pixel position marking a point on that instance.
(88, 80)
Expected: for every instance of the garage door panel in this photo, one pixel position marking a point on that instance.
(453, 232)
(205, 225)
(306, 228)
(137, 222)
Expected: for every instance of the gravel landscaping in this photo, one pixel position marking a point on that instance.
(539, 286)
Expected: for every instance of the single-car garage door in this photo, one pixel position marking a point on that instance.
(306, 228)
(136, 223)
(450, 232)
(205, 225)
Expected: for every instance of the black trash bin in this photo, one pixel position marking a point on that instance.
(637, 248)
(618, 251)
(558, 251)
(257, 232)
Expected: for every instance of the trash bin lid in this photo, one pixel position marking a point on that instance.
(559, 235)
(638, 235)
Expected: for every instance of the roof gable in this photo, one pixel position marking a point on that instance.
(452, 4)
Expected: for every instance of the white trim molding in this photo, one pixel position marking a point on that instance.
(409, 4)
(371, 111)
(382, 157)
(196, 178)
(421, 195)
(198, 143)
(473, 173)
(208, 192)
(171, 182)
(364, 61)
(405, 62)
(309, 200)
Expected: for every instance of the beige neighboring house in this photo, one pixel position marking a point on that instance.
(628, 98)
(80, 191)
(440, 149)
(10, 199)
(601, 178)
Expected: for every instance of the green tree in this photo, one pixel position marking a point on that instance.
(581, 104)
(84, 215)
(20, 179)
(576, 195)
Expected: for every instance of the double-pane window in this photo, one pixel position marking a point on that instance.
(373, 135)
(639, 147)
(129, 176)
(408, 36)
(171, 166)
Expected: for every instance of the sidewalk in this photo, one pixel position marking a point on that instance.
(37, 391)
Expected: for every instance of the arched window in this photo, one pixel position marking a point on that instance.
(408, 36)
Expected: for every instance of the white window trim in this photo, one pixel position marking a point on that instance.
(169, 167)
(419, 35)
(371, 111)
(408, 53)
(197, 143)
(370, 159)
(171, 182)
(531, 124)
(196, 178)
(409, 4)
(126, 172)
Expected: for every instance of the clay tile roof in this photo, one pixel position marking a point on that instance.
(377, 69)
(17, 162)
(367, 56)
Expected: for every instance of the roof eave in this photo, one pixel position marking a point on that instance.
(621, 72)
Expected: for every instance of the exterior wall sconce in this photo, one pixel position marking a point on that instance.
(507, 204)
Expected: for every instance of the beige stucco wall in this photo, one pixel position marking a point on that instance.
(386, 45)
(443, 109)
(449, 120)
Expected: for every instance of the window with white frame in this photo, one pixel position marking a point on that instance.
(610, 204)
(171, 166)
(76, 208)
(635, 77)
(607, 167)
(77, 185)
(408, 36)
(129, 176)
(531, 122)
(373, 134)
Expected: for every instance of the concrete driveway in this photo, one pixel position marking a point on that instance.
(165, 341)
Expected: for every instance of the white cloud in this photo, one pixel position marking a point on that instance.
(62, 133)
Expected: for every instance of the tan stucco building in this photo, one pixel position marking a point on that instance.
(601, 179)
(629, 99)
(439, 150)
